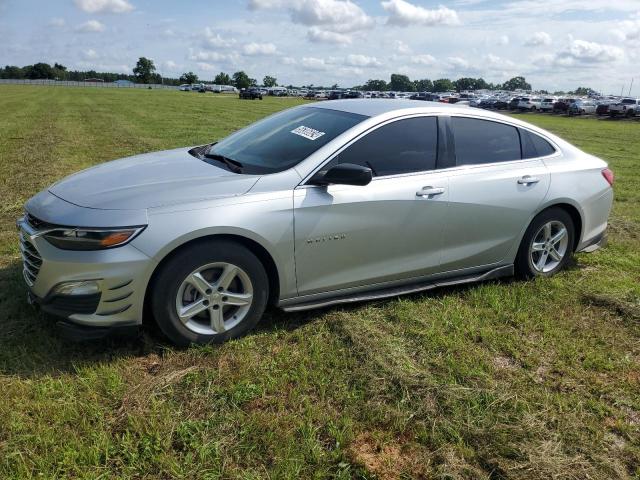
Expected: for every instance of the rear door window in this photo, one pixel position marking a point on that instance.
(534, 146)
(484, 141)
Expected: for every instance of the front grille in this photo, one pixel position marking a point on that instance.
(36, 223)
(31, 259)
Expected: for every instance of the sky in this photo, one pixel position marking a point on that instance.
(555, 44)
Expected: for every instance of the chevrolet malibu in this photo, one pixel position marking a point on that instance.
(321, 204)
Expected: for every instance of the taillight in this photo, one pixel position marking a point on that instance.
(608, 176)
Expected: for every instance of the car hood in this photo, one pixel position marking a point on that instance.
(151, 180)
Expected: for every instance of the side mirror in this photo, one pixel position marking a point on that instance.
(343, 174)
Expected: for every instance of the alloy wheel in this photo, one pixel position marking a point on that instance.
(549, 246)
(214, 298)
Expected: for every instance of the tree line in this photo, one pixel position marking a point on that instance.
(402, 83)
(145, 72)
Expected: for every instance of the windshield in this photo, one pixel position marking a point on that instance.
(628, 101)
(283, 140)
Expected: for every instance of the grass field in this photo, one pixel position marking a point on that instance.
(502, 380)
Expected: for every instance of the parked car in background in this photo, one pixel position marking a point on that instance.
(562, 105)
(203, 239)
(547, 104)
(501, 104)
(602, 108)
(628, 107)
(582, 107)
(185, 87)
(513, 103)
(529, 104)
(251, 93)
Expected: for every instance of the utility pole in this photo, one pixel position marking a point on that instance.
(631, 86)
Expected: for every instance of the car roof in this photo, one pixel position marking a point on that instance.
(378, 106)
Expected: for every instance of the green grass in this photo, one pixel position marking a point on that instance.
(502, 380)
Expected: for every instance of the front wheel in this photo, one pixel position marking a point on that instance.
(210, 292)
(547, 244)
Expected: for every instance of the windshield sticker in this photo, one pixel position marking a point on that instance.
(307, 132)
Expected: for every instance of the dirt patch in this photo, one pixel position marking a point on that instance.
(627, 309)
(390, 460)
(503, 362)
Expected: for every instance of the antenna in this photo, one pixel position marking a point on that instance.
(631, 86)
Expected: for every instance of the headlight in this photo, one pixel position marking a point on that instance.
(89, 238)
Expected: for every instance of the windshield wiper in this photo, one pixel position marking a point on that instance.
(233, 165)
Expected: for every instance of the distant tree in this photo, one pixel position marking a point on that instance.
(582, 91)
(39, 70)
(465, 83)
(334, 86)
(241, 80)
(401, 83)
(516, 83)
(188, 77)
(443, 85)
(145, 70)
(60, 67)
(253, 82)
(481, 84)
(11, 71)
(269, 81)
(222, 79)
(376, 85)
(424, 85)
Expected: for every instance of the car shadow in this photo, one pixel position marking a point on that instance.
(31, 346)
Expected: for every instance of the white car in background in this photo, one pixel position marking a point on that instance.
(530, 103)
(547, 104)
(185, 87)
(627, 107)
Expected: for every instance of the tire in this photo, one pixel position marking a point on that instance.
(556, 256)
(233, 311)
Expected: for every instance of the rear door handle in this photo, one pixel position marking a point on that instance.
(528, 180)
(429, 191)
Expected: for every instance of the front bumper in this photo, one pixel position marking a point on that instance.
(120, 273)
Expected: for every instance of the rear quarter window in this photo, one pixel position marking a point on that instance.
(534, 146)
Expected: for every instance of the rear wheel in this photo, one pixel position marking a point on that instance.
(209, 293)
(547, 244)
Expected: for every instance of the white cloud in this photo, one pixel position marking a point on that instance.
(90, 54)
(289, 61)
(457, 63)
(401, 47)
(206, 67)
(170, 65)
(316, 34)
(213, 39)
(340, 16)
(585, 52)
(57, 22)
(91, 26)
(254, 49)
(425, 59)
(104, 6)
(403, 13)
(630, 29)
(503, 40)
(355, 60)
(538, 39)
(208, 56)
(314, 63)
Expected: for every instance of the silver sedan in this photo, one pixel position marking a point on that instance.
(321, 204)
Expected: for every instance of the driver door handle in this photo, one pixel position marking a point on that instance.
(528, 180)
(429, 191)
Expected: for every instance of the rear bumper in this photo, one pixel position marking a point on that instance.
(595, 243)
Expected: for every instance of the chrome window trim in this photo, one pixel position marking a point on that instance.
(455, 168)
